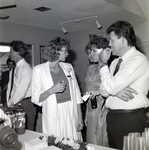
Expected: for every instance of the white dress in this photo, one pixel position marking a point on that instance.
(59, 120)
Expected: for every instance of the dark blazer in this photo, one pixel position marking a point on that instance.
(4, 81)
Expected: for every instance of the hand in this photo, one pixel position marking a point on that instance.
(95, 90)
(105, 55)
(126, 94)
(93, 94)
(79, 123)
(59, 87)
(96, 87)
(5, 87)
(103, 91)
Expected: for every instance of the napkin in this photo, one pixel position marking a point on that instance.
(50, 148)
(90, 147)
(86, 96)
(35, 144)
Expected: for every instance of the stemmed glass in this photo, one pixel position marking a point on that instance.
(129, 142)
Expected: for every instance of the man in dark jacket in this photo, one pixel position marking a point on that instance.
(4, 80)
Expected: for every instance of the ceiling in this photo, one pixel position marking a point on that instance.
(107, 11)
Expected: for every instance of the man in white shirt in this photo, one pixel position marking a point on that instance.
(127, 115)
(19, 90)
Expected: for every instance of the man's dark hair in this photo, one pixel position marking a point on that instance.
(125, 29)
(20, 47)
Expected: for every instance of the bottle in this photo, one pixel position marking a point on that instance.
(12, 106)
(10, 112)
(20, 120)
(1, 106)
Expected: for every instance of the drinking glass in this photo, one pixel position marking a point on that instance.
(145, 135)
(146, 130)
(126, 143)
(140, 143)
(132, 139)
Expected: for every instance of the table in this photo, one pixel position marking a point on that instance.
(31, 135)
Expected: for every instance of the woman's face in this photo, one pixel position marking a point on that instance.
(63, 54)
(89, 55)
(94, 54)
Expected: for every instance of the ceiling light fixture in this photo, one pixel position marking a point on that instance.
(98, 24)
(5, 4)
(64, 30)
(78, 20)
(42, 9)
(3, 16)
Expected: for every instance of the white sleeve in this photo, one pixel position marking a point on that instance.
(25, 75)
(127, 74)
(78, 93)
(36, 86)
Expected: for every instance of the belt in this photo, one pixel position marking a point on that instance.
(117, 111)
(26, 98)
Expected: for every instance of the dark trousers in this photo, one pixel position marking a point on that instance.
(120, 124)
(30, 111)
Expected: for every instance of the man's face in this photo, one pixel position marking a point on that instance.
(115, 43)
(13, 54)
(10, 65)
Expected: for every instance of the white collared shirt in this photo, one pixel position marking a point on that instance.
(134, 73)
(22, 82)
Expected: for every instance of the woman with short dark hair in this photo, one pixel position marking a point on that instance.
(95, 119)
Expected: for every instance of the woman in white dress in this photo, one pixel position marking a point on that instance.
(55, 88)
(96, 112)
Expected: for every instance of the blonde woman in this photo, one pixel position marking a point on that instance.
(55, 88)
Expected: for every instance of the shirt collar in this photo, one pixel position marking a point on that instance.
(129, 53)
(20, 62)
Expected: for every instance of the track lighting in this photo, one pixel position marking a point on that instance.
(6, 4)
(78, 20)
(3, 16)
(98, 24)
(64, 30)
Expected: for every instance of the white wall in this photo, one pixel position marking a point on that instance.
(30, 35)
(79, 39)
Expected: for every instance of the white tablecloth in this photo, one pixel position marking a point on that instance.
(31, 135)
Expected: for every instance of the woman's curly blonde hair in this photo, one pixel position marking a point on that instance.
(51, 51)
